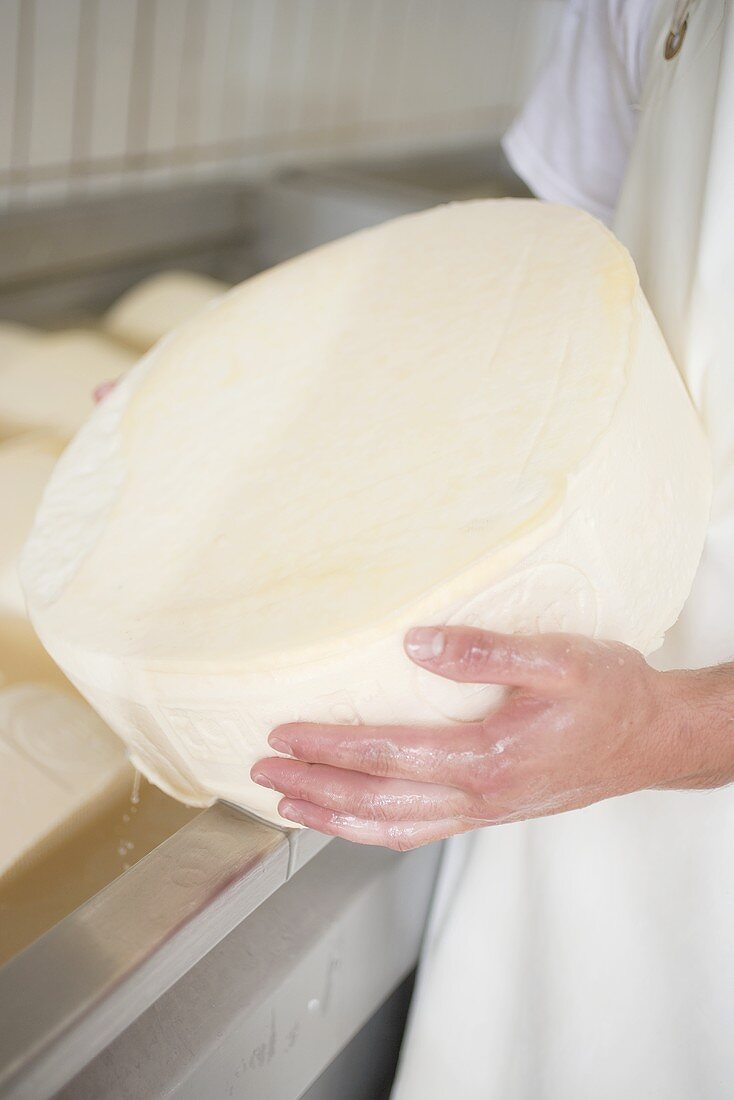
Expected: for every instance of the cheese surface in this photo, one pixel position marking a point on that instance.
(58, 761)
(158, 304)
(464, 415)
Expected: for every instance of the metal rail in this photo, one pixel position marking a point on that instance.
(69, 994)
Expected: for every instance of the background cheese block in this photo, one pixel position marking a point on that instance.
(15, 338)
(26, 463)
(57, 762)
(465, 415)
(159, 304)
(51, 383)
(23, 658)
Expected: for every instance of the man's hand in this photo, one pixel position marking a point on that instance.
(582, 721)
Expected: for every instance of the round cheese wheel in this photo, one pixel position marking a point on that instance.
(158, 304)
(51, 383)
(467, 415)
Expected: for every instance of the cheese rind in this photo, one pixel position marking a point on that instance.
(158, 304)
(50, 384)
(467, 415)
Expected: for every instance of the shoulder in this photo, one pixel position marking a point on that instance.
(572, 140)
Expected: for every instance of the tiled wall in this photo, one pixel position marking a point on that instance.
(106, 93)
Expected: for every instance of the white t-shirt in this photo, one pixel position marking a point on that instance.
(573, 138)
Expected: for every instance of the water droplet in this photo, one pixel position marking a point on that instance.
(135, 795)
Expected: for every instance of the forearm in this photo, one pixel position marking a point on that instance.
(584, 720)
(700, 727)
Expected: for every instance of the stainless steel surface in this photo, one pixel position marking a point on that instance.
(69, 994)
(304, 845)
(265, 1012)
(73, 992)
(299, 210)
(365, 1068)
(63, 263)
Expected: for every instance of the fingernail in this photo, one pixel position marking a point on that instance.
(425, 643)
(263, 780)
(279, 744)
(290, 812)
(101, 391)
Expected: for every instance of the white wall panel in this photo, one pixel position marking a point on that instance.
(9, 15)
(423, 57)
(110, 92)
(261, 86)
(490, 49)
(213, 82)
(308, 38)
(193, 74)
(114, 41)
(235, 99)
(534, 41)
(168, 33)
(57, 35)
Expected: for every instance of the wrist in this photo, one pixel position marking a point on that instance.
(697, 718)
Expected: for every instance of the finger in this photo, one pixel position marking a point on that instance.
(101, 391)
(544, 663)
(365, 796)
(401, 836)
(444, 756)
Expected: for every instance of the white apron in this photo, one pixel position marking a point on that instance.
(590, 956)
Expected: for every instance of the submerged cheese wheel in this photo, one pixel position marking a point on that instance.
(50, 383)
(158, 304)
(467, 415)
(59, 763)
